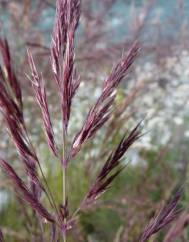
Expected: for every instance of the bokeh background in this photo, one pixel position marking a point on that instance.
(156, 90)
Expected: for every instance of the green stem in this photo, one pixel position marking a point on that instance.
(76, 212)
(49, 195)
(64, 190)
(64, 185)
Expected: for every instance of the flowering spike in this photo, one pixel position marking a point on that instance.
(105, 178)
(63, 53)
(10, 75)
(27, 195)
(41, 97)
(13, 117)
(99, 114)
(164, 217)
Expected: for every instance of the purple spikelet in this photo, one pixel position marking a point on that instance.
(105, 177)
(163, 218)
(13, 116)
(70, 81)
(41, 97)
(100, 112)
(11, 77)
(58, 40)
(27, 195)
(8, 104)
(63, 53)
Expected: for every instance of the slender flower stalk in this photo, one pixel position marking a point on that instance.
(64, 187)
(62, 57)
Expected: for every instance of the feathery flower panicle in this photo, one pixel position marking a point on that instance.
(27, 156)
(163, 218)
(14, 120)
(41, 97)
(27, 195)
(100, 112)
(119, 71)
(105, 177)
(63, 53)
(13, 116)
(9, 72)
(67, 16)
(7, 103)
(67, 80)
(58, 40)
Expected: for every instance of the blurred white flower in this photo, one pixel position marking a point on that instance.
(178, 121)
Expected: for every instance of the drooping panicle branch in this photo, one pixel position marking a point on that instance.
(100, 112)
(27, 195)
(111, 168)
(13, 116)
(41, 97)
(28, 157)
(9, 72)
(163, 218)
(63, 53)
(7, 102)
